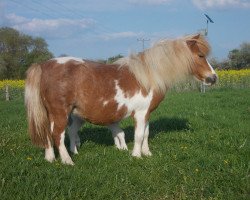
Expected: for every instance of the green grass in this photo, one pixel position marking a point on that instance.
(200, 145)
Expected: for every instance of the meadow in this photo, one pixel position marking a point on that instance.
(200, 144)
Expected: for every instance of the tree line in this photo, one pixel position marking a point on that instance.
(18, 51)
(237, 59)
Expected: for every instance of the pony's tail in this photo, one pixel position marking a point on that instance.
(38, 121)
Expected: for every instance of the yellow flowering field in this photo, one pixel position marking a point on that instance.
(227, 78)
(12, 83)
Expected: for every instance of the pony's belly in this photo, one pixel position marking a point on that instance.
(102, 115)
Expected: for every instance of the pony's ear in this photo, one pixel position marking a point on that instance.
(192, 41)
(196, 37)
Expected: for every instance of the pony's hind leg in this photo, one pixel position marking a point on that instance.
(119, 136)
(58, 134)
(66, 159)
(75, 124)
(49, 152)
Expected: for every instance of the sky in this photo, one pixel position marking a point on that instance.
(98, 29)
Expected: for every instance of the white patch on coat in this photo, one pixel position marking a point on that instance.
(140, 105)
(52, 127)
(62, 60)
(105, 103)
(136, 103)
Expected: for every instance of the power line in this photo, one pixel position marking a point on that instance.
(72, 12)
(34, 9)
(100, 26)
(68, 9)
(59, 9)
(46, 11)
(50, 9)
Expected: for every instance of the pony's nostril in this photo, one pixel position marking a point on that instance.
(215, 78)
(211, 79)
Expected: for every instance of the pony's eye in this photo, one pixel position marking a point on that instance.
(201, 55)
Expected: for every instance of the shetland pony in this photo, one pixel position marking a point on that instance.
(70, 91)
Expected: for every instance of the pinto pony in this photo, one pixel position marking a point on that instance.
(69, 90)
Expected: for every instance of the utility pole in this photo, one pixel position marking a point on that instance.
(143, 40)
(209, 20)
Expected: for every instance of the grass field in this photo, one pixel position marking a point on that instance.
(200, 145)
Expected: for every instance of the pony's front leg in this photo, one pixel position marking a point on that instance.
(140, 126)
(145, 147)
(119, 136)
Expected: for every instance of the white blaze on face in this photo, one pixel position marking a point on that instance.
(136, 103)
(211, 68)
(62, 60)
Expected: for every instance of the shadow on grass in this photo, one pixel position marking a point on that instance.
(102, 135)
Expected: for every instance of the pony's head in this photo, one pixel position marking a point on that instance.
(201, 69)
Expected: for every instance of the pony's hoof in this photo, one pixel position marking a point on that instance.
(122, 147)
(68, 162)
(118, 146)
(49, 154)
(50, 159)
(78, 143)
(147, 153)
(125, 148)
(74, 150)
(136, 154)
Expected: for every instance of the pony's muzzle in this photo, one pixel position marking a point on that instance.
(211, 79)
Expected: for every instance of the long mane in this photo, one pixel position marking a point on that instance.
(167, 62)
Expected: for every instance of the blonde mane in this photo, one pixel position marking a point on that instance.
(167, 62)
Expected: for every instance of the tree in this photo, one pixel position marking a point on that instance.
(215, 63)
(240, 58)
(63, 55)
(18, 51)
(220, 65)
(237, 59)
(114, 58)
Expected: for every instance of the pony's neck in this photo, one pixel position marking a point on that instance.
(159, 67)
